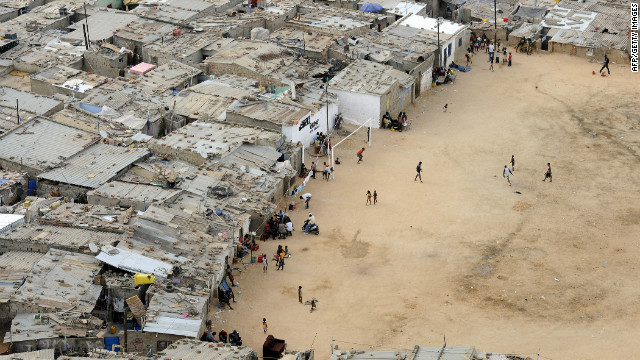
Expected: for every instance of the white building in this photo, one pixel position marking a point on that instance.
(454, 37)
(366, 90)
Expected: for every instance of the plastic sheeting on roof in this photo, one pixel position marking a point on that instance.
(142, 68)
(133, 262)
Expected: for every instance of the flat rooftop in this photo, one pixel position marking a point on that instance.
(208, 140)
(88, 216)
(102, 25)
(42, 144)
(193, 349)
(62, 236)
(369, 78)
(28, 101)
(95, 166)
(61, 281)
(69, 78)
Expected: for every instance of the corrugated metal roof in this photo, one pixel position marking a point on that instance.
(95, 166)
(42, 143)
(10, 221)
(134, 192)
(164, 318)
(62, 280)
(62, 236)
(133, 262)
(200, 106)
(174, 326)
(14, 267)
(272, 111)
(38, 104)
(102, 25)
(44, 354)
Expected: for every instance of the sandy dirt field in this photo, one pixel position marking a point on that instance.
(537, 266)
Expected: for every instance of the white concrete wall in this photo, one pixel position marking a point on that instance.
(356, 108)
(426, 80)
(310, 124)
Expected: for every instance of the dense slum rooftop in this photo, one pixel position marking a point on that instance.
(45, 49)
(70, 79)
(369, 78)
(72, 239)
(28, 101)
(14, 268)
(61, 281)
(95, 217)
(25, 326)
(207, 140)
(191, 349)
(95, 166)
(42, 144)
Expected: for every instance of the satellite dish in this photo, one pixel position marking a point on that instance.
(93, 247)
(104, 134)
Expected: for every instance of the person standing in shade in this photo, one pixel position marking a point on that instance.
(547, 175)
(359, 154)
(368, 197)
(506, 173)
(300, 294)
(375, 197)
(606, 64)
(419, 171)
(513, 163)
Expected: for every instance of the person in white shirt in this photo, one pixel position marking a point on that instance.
(491, 48)
(289, 227)
(306, 197)
(506, 173)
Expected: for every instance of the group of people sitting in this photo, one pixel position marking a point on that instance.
(398, 124)
(210, 336)
(280, 225)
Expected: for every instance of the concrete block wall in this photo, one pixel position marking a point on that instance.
(102, 65)
(139, 341)
(8, 245)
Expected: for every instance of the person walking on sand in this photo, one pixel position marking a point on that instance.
(300, 294)
(513, 163)
(375, 197)
(509, 60)
(491, 67)
(368, 197)
(506, 173)
(547, 175)
(359, 153)
(419, 171)
(265, 264)
(264, 325)
(606, 64)
(445, 107)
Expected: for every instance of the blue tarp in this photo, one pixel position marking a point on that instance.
(91, 108)
(371, 7)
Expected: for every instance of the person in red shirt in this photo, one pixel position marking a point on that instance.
(360, 155)
(509, 60)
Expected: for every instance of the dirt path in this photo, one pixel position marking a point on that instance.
(535, 266)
